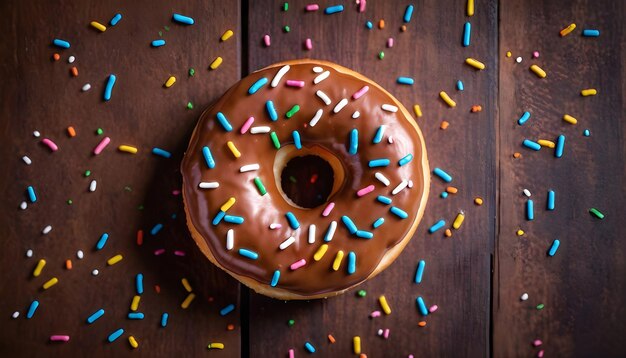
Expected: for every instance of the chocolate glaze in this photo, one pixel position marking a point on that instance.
(331, 132)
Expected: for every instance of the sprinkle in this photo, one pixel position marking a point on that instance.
(467, 31)
(408, 13)
(364, 234)
(356, 114)
(567, 30)
(438, 225)
(384, 305)
(551, 197)
(50, 144)
(100, 147)
(185, 20)
(115, 259)
(257, 85)
(538, 71)
(312, 7)
(444, 195)
(136, 315)
(221, 118)
(46, 230)
(321, 77)
(31, 194)
(292, 111)
(399, 212)
(352, 229)
(248, 254)
(271, 110)
(127, 149)
(524, 296)
(187, 301)
(337, 261)
(61, 43)
(531, 145)
(380, 132)
(233, 149)
(226, 35)
(417, 110)
(309, 347)
(132, 341)
(108, 89)
(475, 63)
(40, 265)
(569, 119)
(293, 222)
(80, 254)
(470, 7)
(331, 339)
(383, 199)
(405, 81)
(115, 335)
(233, 219)
(368, 189)
(115, 19)
(591, 33)
(285, 244)
(216, 63)
(249, 168)
(389, 108)
(320, 252)
(296, 265)
(98, 26)
(323, 97)
(275, 278)
(554, 247)
(308, 44)
(459, 85)
(328, 209)
(375, 163)
(332, 227)
(102, 241)
(157, 43)
(29, 253)
(86, 87)
(442, 174)
(95, 272)
(588, 92)
(523, 118)
(59, 338)
(27, 160)
(170, 82)
(378, 222)
(595, 212)
(422, 306)
(458, 221)
(381, 24)
(403, 184)
(208, 185)
(546, 143)
(405, 160)
(260, 186)
(260, 130)
(540, 306)
(164, 318)
(530, 214)
(356, 344)
(518, 59)
(31, 309)
(279, 75)
(294, 83)
(93, 185)
(535, 54)
(444, 96)
(333, 9)
(560, 145)
(420, 271)
(340, 105)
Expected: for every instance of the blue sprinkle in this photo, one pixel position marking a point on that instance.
(443, 175)
(94, 317)
(420, 271)
(444, 194)
(61, 43)
(364, 234)
(257, 85)
(560, 144)
(399, 212)
(354, 141)
(383, 162)
(275, 278)
(438, 225)
(405, 81)
(158, 43)
(224, 122)
(369, 25)
(530, 212)
(349, 224)
(459, 85)
(467, 33)
(333, 9)
(530, 144)
(551, 199)
(422, 306)
(249, 254)
(309, 347)
(408, 13)
(32, 308)
(383, 199)
(161, 152)
(351, 263)
(135, 315)
(378, 222)
(554, 247)
(233, 219)
(591, 33)
(183, 19)
(139, 283)
(31, 194)
(164, 318)
(296, 139)
(208, 157)
(115, 335)
(293, 222)
(523, 118)
(220, 215)
(108, 89)
(103, 240)
(155, 230)
(328, 236)
(226, 310)
(405, 160)
(379, 135)
(586, 133)
(115, 19)
(271, 110)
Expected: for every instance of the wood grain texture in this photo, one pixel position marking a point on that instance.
(582, 286)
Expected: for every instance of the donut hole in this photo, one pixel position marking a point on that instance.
(307, 181)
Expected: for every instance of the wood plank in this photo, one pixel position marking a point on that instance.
(457, 276)
(582, 285)
(39, 94)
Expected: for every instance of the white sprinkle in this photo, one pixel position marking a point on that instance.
(383, 179)
(23, 205)
(311, 233)
(274, 226)
(316, 117)
(46, 230)
(230, 239)
(356, 114)
(340, 105)
(526, 192)
(321, 77)
(36, 134)
(518, 60)
(80, 254)
(389, 108)
(259, 130)
(331, 231)
(92, 186)
(279, 75)
(15, 314)
(287, 243)
(29, 253)
(27, 160)
(410, 183)
(380, 331)
(86, 87)
(71, 59)
(95, 272)
(323, 97)
(390, 140)
(318, 69)
(249, 168)
(208, 185)
(524, 296)
(403, 184)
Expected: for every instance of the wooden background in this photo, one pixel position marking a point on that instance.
(475, 277)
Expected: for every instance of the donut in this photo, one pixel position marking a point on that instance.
(304, 180)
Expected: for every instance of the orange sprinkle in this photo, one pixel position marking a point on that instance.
(68, 264)
(448, 233)
(476, 108)
(517, 155)
(478, 201)
(230, 327)
(452, 190)
(56, 57)
(71, 131)
(363, 355)
(444, 125)
(422, 324)
(74, 71)
(139, 237)
(331, 339)
(403, 28)
(381, 24)
(157, 288)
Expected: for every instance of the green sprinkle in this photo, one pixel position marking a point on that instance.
(595, 212)
(99, 131)
(260, 186)
(361, 293)
(192, 72)
(189, 105)
(127, 188)
(381, 55)
(69, 201)
(275, 140)
(292, 111)
(87, 173)
(160, 33)
(167, 28)
(540, 306)
(140, 207)
(293, 179)
(291, 322)
(286, 6)
(286, 28)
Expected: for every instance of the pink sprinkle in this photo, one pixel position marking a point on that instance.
(103, 143)
(295, 83)
(390, 42)
(292, 354)
(358, 94)
(59, 338)
(537, 342)
(536, 54)
(308, 44)
(159, 252)
(312, 7)
(433, 308)
(328, 209)
(540, 354)
(375, 314)
(267, 40)
(368, 189)
(274, 226)
(247, 125)
(53, 147)
(179, 253)
(296, 265)
(362, 4)
(175, 192)
(386, 334)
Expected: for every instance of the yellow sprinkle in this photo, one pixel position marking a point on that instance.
(569, 119)
(538, 71)
(520, 232)
(133, 342)
(447, 99)
(127, 149)
(51, 282)
(215, 346)
(478, 201)
(187, 301)
(546, 143)
(170, 82)
(470, 7)
(228, 204)
(320, 252)
(337, 261)
(356, 343)
(186, 285)
(216, 63)
(384, 305)
(568, 29)
(228, 34)
(417, 110)
(475, 63)
(98, 26)
(509, 54)
(134, 304)
(233, 149)
(458, 221)
(588, 92)
(39, 267)
(115, 259)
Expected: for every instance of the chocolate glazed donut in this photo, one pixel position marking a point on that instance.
(304, 179)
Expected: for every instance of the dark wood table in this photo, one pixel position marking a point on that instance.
(476, 277)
